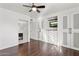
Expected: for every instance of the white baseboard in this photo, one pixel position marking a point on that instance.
(62, 45)
(71, 47)
(21, 42)
(8, 46)
(49, 42)
(57, 44)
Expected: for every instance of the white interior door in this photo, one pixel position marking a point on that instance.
(75, 30)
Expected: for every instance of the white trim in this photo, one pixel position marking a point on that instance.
(8, 46)
(71, 47)
(62, 45)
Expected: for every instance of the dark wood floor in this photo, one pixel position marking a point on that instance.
(38, 48)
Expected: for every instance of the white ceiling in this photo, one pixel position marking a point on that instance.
(50, 8)
(57, 7)
(18, 7)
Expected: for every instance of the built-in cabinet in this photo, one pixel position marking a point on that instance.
(75, 30)
(69, 29)
(67, 33)
(52, 31)
(52, 37)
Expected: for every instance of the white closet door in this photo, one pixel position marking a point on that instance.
(66, 26)
(75, 30)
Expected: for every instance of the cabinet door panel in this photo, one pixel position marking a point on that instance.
(66, 38)
(75, 30)
(76, 21)
(76, 39)
(65, 22)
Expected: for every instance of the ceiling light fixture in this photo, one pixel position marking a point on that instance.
(34, 9)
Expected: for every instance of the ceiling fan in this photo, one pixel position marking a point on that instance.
(34, 7)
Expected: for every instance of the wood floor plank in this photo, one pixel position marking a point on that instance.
(38, 48)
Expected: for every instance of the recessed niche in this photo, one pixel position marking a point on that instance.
(20, 35)
(53, 22)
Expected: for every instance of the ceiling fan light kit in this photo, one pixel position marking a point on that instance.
(34, 7)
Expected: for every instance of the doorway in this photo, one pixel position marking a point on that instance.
(23, 31)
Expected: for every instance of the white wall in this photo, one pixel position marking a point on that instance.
(9, 28)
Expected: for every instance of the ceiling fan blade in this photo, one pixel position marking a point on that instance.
(38, 11)
(27, 6)
(42, 6)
